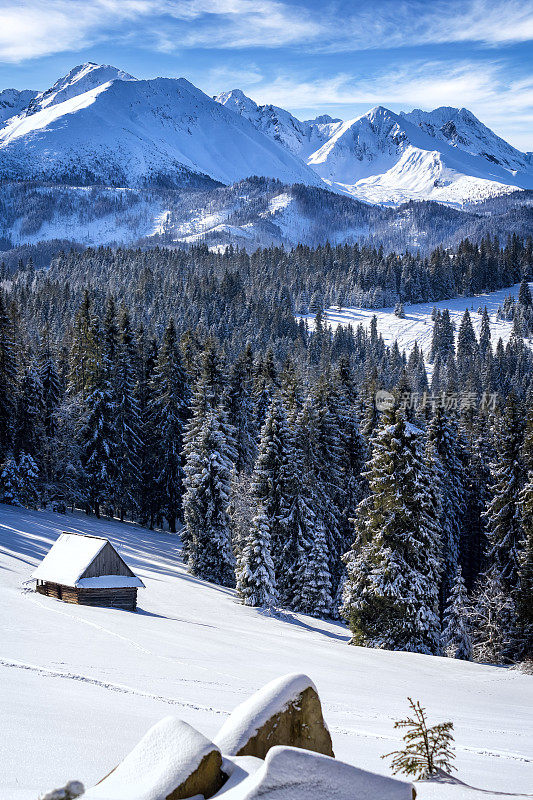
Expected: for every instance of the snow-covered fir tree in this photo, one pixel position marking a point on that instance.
(165, 428)
(271, 489)
(8, 381)
(456, 636)
(493, 621)
(449, 462)
(126, 421)
(256, 582)
(390, 597)
(207, 491)
(10, 482)
(503, 517)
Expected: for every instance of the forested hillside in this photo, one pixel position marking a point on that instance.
(175, 387)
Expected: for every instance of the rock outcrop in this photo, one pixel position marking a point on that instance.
(172, 761)
(286, 711)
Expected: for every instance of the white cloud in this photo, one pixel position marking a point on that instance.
(33, 28)
(485, 88)
(385, 25)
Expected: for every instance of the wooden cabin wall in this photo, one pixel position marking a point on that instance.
(107, 562)
(125, 598)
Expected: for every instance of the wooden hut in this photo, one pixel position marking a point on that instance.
(89, 571)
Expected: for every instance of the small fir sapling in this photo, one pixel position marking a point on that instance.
(427, 750)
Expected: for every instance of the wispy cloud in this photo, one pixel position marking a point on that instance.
(386, 25)
(33, 28)
(484, 87)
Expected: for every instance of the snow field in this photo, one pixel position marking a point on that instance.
(418, 325)
(80, 686)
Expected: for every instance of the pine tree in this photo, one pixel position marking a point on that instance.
(503, 517)
(314, 578)
(8, 382)
(272, 490)
(127, 422)
(390, 597)
(208, 474)
(456, 638)
(467, 350)
(485, 334)
(99, 456)
(10, 482)
(29, 422)
(256, 582)
(524, 590)
(427, 750)
(167, 420)
(240, 409)
(446, 451)
(28, 481)
(493, 621)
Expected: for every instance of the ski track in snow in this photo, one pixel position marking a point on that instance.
(111, 687)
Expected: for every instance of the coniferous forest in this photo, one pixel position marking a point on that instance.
(178, 390)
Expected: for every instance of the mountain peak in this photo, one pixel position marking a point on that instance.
(322, 119)
(78, 80)
(237, 101)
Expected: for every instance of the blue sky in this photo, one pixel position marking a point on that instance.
(339, 57)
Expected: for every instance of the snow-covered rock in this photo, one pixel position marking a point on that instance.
(286, 711)
(12, 102)
(292, 774)
(173, 760)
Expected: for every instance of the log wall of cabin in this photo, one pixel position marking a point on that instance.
(125, 598)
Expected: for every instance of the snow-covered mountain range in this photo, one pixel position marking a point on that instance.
(165, 160)
(446, 155)
(98, 124)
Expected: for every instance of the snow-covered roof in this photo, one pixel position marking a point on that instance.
(70, 556)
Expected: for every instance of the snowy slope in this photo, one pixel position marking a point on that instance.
(80, 686)
(418, 325)
(97, 125)
(446, 155)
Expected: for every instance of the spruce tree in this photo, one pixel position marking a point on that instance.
(8, 382)
(524, 589)
(208, 474)
(10, 482)
(456, 638)
(272, 489)
(256, 582)
(167, 421)
(390, 597)
(493, 621)
(446, 449)
(127, 422)
(503, 517)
